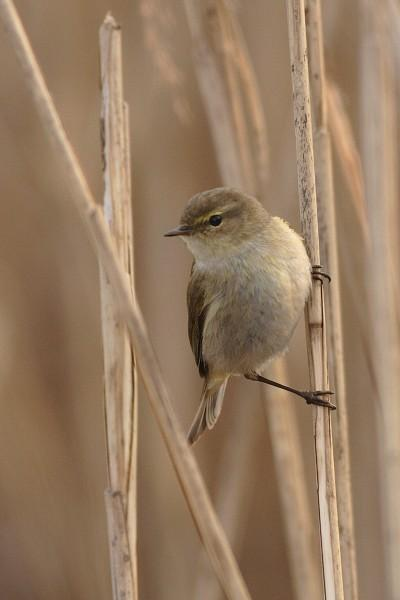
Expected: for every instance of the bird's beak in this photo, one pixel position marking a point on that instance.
(181, 230)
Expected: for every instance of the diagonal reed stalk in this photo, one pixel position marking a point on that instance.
(344, 143)
(347, 154)
(315, 318)
(233, 466)
(330, 260)
(120, 375)
(182, 458)
(350, 162)
(221, 56)
(380, 161)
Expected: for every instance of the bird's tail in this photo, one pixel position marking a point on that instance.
(209, 410)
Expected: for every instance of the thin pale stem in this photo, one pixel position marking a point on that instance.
(120, 377)
(329, 258)
(288, 457)
(315, 317)
(123, 584)
(349, 158)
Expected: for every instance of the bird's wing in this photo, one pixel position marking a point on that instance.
(198, 306)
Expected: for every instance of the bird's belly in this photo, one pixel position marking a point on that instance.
(250, 326)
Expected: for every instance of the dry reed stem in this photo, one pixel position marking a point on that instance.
(394, 20)
(119, 368)
(96, 227)
(330, 261)
(241, 82)
(291, 478)
(131, 423)
(159, 31)
(315, 318)
(234, 485)
(123, 584)
(213, 55)
(380, 161)
(216, 98)
(350, 162)
(287, 450)
(219, 24)
(252, 96)
(348, 155)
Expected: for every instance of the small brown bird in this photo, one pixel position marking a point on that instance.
(250, 279)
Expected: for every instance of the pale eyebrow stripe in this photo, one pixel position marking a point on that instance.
(229, 210)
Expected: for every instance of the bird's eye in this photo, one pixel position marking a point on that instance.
(215, 220)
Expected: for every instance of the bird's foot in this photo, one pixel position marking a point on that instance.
(309, 397)
(316, 273)
(315, 398)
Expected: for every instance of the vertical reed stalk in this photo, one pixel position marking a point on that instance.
(119, 366)
(349, 160)
(380, 161)
(219, 95)
(291, 478)
(394, 25)
(229, 63)
(329, 258)
(182, 458)
(315, 318)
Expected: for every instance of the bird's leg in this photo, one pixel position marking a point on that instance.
(316, 273)
(309, 397)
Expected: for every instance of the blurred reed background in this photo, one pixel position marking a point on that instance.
(53, 464)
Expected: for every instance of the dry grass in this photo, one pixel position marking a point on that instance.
(54, 466)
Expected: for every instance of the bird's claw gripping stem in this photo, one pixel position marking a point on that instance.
(315, 398)
(316, 273)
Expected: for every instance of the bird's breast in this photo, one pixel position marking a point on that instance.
(258, 301)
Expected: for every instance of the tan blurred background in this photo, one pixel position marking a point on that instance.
(53, 540)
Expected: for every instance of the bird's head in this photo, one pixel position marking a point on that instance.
(216, 223)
